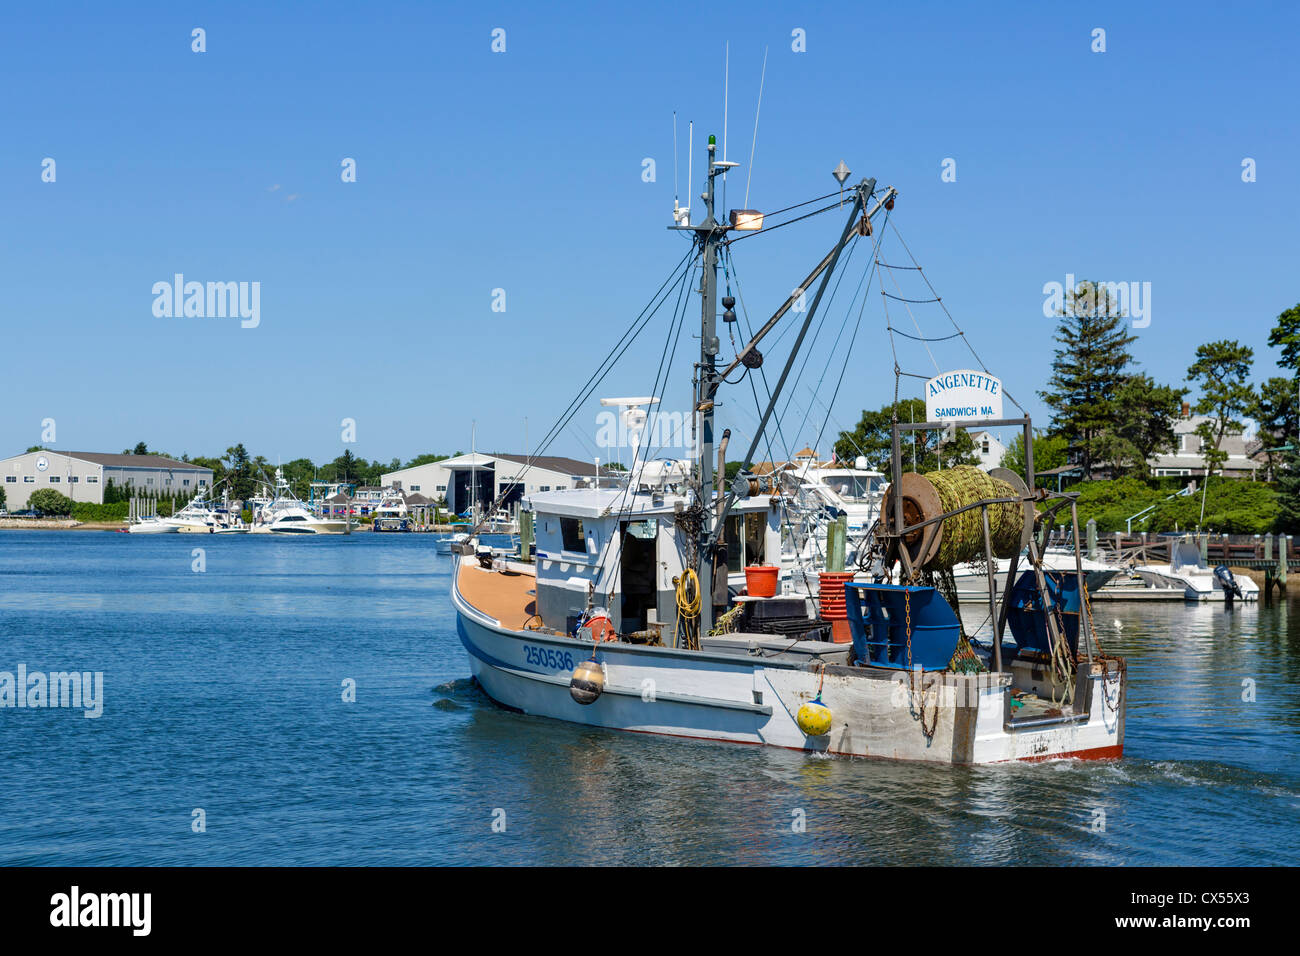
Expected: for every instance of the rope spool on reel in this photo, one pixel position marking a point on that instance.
(960, 537)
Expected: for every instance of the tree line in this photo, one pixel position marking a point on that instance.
(1109, 416)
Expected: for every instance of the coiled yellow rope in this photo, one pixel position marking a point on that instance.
(687, 631)
(963, 534)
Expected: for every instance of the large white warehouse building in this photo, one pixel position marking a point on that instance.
(83, 475)
(481, 478)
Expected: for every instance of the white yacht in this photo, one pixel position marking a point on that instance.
(284, 513)
(391, 514)
(195, 518)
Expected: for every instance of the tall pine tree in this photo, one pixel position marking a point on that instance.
(1088, 369)
(1286, 336)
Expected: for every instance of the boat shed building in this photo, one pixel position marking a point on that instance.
(83, 475)
(481, 478)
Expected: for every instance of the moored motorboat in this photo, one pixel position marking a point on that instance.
(284, 514)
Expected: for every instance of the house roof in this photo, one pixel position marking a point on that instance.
(1194, 462)
(132, 461)
(557, 463)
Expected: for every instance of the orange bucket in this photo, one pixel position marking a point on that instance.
(831, 594)
(760, 580)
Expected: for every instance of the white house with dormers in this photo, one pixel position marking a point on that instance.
(1186, 459)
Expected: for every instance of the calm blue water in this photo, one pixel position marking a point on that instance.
(223, 692)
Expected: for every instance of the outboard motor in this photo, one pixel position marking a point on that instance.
(1231, 588)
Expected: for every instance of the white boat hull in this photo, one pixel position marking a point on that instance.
(1198, 584)
(152, 527)
(741, 699)
(301, 527)
(190, 527)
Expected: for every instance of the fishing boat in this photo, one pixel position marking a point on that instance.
(630, 616)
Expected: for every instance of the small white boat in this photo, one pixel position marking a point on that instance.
(1187, 570)
(152, 525)
(141, 519)
(973, 583)
(500, 522)
(444, 544)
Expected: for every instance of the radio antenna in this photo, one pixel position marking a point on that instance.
(675, 160)
(726, 93)
(690, 152)
(682, 214)
(749, 174)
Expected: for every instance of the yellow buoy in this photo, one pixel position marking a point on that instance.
(587, 682)
(814, 718)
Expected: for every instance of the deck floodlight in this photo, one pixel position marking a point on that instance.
(746, 220)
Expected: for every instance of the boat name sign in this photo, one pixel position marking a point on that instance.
(963, 395)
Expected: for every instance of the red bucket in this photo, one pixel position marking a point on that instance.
(760, 580)
(831, 594)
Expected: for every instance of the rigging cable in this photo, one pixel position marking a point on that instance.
(606, 365)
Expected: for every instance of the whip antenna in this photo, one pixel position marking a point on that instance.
(749, 174)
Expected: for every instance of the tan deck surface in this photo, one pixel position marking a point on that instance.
(505, 597)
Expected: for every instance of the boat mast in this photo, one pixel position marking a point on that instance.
(710, 236)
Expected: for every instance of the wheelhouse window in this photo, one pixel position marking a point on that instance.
(571, 535)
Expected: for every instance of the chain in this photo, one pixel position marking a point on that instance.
(1121, 666)
(925, 689)
(907, 604)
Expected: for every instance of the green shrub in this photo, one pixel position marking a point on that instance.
(88, 511)
(1232, 506)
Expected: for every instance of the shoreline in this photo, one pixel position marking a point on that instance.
(71, 524)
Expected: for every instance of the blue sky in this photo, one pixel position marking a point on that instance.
(522, 171)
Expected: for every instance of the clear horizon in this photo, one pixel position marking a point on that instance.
(523, 171)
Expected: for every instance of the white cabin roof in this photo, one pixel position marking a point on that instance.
(606, 502)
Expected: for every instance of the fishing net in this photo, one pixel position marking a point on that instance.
(963, 534)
